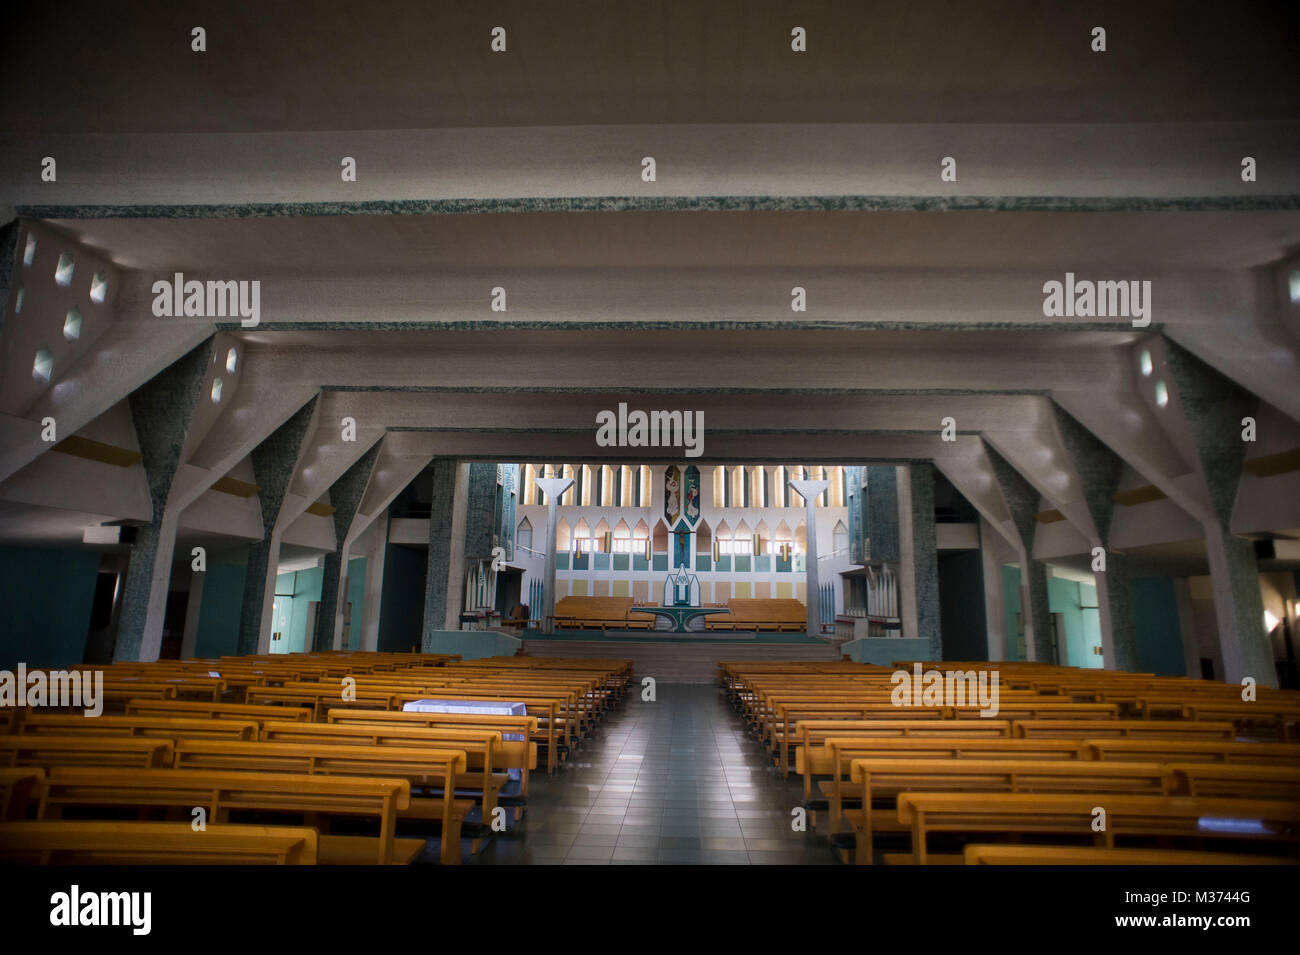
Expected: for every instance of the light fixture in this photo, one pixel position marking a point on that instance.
(1162, 394)
(648, 552)
(1144, 363)
(607, 542)
(1270, 621)
(717, 551)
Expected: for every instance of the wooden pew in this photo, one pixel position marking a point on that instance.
(1099, 855)
(591, 613)
(41, 749)
(225, 711)
(811, 733)
(1182, 751)
(318, 697)
(1138, 729)
(221, 792)
(1232, 780)
(19, 787)
(771, 613)
(486, 753)
(527, 726)
(81, 842)
(420, 766)
(1072, 814)
(837, 753)
(161, 727)
(891, 777)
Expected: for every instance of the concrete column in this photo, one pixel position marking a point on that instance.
(553, 488)
(812, 587)
(1210, 409)
(925, 556)
(1118, 634)
(1022, 504)
(881, 514)
(1239, 608)
(193, 608)
(161, 411)
(907, 610)
(345, 498)
(1098, 470)
(376, 550)
(991, 545)
(275, 461)
(445, 581)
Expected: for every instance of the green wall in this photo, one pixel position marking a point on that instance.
(1082, 626)
(45, 602)
(356, 597)
(217, 633)
(961, 606)
(1155, 619)
(401, 608)
(1011, 607)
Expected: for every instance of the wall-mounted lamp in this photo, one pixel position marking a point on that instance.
(607, 542)
(648, 552)
(717, 551)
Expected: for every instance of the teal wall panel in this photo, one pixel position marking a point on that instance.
(45, 602)
(357, 597)
(1011, 607)
(217, 633)
(401, 607)
(1155, 619)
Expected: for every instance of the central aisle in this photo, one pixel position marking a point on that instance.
(674, 781)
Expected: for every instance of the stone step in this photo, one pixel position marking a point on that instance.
(677, 662)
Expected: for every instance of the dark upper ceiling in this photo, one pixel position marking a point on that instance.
(77, 66)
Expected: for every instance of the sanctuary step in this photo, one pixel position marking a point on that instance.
(678, 662)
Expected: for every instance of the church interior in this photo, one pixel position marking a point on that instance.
(732, 433)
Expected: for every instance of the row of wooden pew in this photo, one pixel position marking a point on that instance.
(210, 776)
(1170, 761)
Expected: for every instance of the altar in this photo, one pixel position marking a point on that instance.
(681, 603)
(681, 616)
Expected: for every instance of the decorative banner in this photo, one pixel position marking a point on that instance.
(672, 494)
(691, 496)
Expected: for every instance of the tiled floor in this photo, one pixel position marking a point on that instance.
(674, 781)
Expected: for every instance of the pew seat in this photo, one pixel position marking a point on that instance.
(82, 842)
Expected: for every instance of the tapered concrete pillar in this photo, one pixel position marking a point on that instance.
(275, 461)
(992, 549)
(1098, 470)
(809, 490)
(345, 498)
(444, 584)
(553, 488)
(376, 552)
(1211, 409)
(1022, 503)
(161, 411)
(924, 554)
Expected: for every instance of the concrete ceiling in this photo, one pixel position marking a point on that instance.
(390, 65)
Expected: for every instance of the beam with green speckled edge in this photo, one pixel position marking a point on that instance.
(847, 203)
